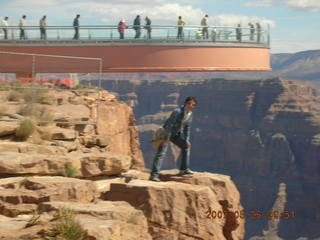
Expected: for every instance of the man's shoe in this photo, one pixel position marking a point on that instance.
(185, 172)
(154, 178)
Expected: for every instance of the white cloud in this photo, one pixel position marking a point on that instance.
(304, 5)
(231, 19)
(287, 46)
(260, 3)
(165, 13)
(38, 3)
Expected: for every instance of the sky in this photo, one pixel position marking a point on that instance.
(294, 24)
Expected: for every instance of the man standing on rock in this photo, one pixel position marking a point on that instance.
(177, 129)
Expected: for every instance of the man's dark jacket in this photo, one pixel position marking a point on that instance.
(173, 125)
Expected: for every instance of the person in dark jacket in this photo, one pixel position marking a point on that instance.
(76, 27)
(177, 128)
(148, 27)
(239, 32)
(137, 27)
(43, 27)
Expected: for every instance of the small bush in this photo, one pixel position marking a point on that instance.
(80, 87)
(23, 182)
(133, 220)
(14, 96)
(69, 170)
(36, 96)
(66, 227)
(64, 213)
(26, 128)
(38, 112)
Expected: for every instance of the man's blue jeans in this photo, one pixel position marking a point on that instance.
(185, 155)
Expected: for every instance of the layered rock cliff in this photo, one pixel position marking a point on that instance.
(261, 132)
(76, 180)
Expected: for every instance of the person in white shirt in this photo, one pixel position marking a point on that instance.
(4, 25)
(205, 25)
(43, 26)
(22, 25)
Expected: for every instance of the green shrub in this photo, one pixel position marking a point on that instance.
(69, 170)
(66, 226)
(26, 128)
(133, 220)
(64, 213)
(23, 182)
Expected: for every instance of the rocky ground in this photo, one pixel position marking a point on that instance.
(91, 179)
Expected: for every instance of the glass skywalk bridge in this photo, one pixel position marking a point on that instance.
(226, 49)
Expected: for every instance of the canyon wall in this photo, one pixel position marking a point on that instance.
(72, 179)
(260, 132)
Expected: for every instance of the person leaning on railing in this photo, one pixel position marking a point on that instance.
(22, 26)
(251, 26)
(136, 26)
(43, 26)
(205, 25)
(121, 28)
(239, 32)
(181, 23)
(147, 27)
(258, 32)
(4, 26)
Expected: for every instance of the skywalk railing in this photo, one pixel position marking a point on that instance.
(158, 33)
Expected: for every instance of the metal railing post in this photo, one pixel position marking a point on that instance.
(268, 36)
(99, 95)
(33, 67)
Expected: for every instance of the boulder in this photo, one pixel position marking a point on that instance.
(22, 195)
(58, 133)
(24, 147)
(103, 185)
(84, 164)
(8, 128)
(14, 163)
(107, 163)
(174, 210)
(106, 220)
(70, 112)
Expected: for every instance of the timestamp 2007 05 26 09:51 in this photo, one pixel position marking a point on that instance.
(253, 214)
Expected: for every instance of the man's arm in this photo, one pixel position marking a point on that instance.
(170, 123)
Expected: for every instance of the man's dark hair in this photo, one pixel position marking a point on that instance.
(188, 99)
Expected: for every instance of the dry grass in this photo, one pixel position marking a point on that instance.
(66, 227)
(40, 113)
(14, 96)
(26, 128)
(69, 170)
